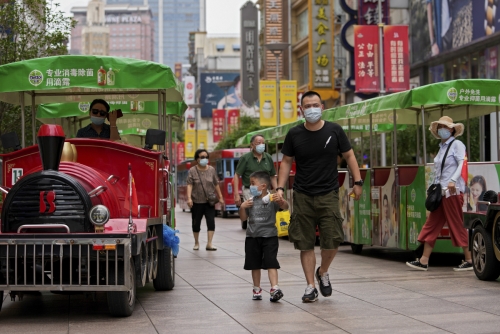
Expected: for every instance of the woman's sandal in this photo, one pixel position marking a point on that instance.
(211, 248)
(196, 247)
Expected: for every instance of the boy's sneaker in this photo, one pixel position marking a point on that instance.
(257, 295)
(417, 265)
(276, 294)
(311, 295)
(324, 284)
(465, 266)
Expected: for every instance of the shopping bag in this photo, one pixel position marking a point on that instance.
(282, 222)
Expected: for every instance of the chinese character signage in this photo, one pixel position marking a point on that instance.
(189, 92)
(368, 12)
(396, 59)
(366, 59)
(249, 54)
(202, 139)
(273, 26)
(233, 119)
(180, 153)
(218, 119)
(268, 103)
(321, 43)
(288, 101)
(190, 143)
(212, 96)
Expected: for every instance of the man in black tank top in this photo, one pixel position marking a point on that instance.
(315, 146)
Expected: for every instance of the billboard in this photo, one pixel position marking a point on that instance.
(288, 98)
(268, 112)
(396, 59)
(212, 97)
(250, 53)
(366, 59)
(454, 25)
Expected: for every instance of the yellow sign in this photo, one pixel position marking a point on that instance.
(321, 32)
(189, 142)
(202, 139)
(268, 105)
(288, 101)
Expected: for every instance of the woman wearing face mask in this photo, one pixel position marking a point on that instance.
(201, 181)
(254, 161)
(98, 111)
(453, 185)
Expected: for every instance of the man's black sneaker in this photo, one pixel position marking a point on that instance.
(417, 265)
(465, 266)
(324, 284)
(311, 295)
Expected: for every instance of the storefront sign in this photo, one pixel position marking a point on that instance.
(273, 34)
(233, 119)
(396, 59)
(321, 44)
(288, 105)
(218, 118)
(366, 59)
(212, 96)
(368, 12)
(268, 103)
(250, 53)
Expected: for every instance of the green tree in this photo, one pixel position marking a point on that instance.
(29, 29)
(247, 124)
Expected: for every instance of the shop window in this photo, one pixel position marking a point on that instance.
(304, 70)
(302, 25)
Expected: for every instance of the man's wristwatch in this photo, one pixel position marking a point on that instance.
(359, 183)
(280, 188)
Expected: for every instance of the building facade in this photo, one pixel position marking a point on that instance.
(130, 30)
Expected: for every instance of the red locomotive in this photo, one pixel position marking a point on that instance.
(65, 224)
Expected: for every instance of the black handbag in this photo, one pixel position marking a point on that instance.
(434, 192)
(212, 198)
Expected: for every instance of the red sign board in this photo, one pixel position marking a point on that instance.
(368, 12)
(396, 59)
(180, 152)
(366, 59)
(218, 117)
(233, 119)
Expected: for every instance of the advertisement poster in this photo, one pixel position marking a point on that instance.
(190, 143)
(396, 59)
(267, 93)
(364, 221)
(375, 215)
(346, 207)
(180, 153)
(366, 59)
(213, 97)
(218, 119)
(454, 25)
(189, 89)
(389, 228)
(415, 208)
(202, 139)
(233, 119)
(368, 12)
(288, 96)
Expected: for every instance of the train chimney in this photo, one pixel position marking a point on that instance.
(50, 144)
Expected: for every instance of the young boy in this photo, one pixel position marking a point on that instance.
(261, 243)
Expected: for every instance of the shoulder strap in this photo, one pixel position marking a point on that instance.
(201, 181)
(445, 155)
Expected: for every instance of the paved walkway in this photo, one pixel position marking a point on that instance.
(373, 293)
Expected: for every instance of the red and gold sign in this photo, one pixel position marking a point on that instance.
(396, 59)
(366, 59)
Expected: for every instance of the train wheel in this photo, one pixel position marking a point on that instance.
(356, 249)
(486, 265)
(142, 266)
(122, 303)
(165, 278)
(152, 256)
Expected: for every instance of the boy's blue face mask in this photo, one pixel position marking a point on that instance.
(254, 191)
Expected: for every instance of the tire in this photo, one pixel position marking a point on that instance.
(165, 277)
(244, 224)
(141, 268)
(486, 265)
(225, 214)
(152, 248)
(122, 303)
(356, 248)
(1, 299)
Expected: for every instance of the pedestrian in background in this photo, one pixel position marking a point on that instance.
(261, 242)
(450, 210)
(201, 181)
(315, 146)
(253, 161)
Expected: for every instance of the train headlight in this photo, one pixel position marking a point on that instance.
(99, 215)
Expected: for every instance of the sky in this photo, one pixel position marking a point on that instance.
(223, 16)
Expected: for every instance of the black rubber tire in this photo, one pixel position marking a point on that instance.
(165, 277)
(244, 224)
(122, 303)
(486, 265)
(1, 299)
(356, 248)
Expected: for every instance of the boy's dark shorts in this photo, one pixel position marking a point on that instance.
(261, 253)
(311, 211)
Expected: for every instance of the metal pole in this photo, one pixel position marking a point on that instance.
(278, 109)
(423, 134)
(196, 128)
(23, 120)
(383, 155)
(467, 149)
(225, 112)
(395, 140)
(33, 117)
(418, 139)
(497, 133)
(371, 141)
(160, 110)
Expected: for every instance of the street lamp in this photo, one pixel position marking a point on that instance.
(277, 49)
(225, 85)
(196, 106)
